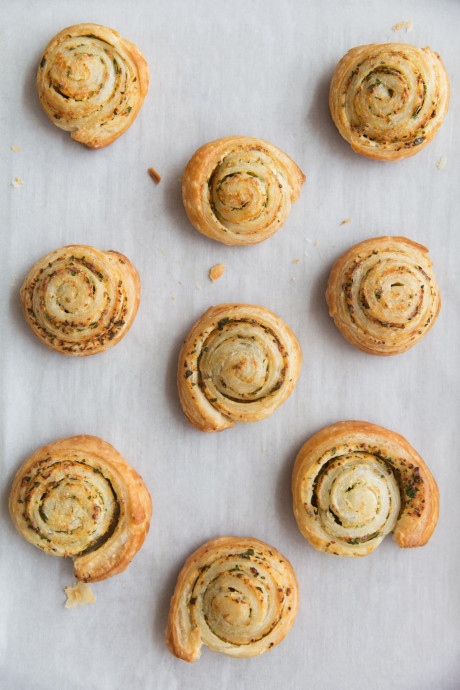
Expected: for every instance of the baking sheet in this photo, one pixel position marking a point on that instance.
(257, 69)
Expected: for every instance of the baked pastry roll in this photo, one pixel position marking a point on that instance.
(80, 301)
(382, 295)
(238, 364)
(237, 596)
(92, 82)
(78, 497)
(239, 190)
(354, 482)
(389, 100)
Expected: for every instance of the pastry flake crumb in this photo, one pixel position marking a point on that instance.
(16, 149)
(442, 163)
(315, 243)
(173, 297)
(17, 182)
(293, 279)
(406, 25)
(78, 595)
(295, 261)
(154, 175)
(347, 220)
(216, 271)
(198, 287)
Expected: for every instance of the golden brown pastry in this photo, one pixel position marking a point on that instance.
(78, 497)
(92, 82)
(80, 301)
(238, 364)
(354, 482)
(389, 100)
(237, 596)
(382, 295)
(239, 190)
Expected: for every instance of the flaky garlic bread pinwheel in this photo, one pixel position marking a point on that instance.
(92, 82)
(78, 497)
(389, 100)
(239, 190)
(80, 301)
(237, 596)
(238, 364)
(354, 482)
(382, 295)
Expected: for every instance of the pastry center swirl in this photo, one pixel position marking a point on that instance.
(357, 497)
(71, 506)
(72, 290)
(242, 361)
(239, 600)
(78, 300)
(391, 292)
(246, 191)
(85, 69)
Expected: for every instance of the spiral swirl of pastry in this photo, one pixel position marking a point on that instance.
(239, 190)
(354, 482)
(237, 596)
(79, 497)
(389, 100)
(238, 364)
(92, 82)
(382, 295)
(80, 301)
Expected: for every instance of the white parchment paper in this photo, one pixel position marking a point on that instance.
(259, 68)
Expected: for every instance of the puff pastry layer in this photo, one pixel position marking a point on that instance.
(388, 100)
(354, 482)
(92, 82)
(238, 364)
(239, 190)
(382, 295)
(79, 497)
(237, 596)
(80, 301)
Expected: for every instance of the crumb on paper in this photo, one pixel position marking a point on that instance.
(17, 182)
(347, 220)
(154, 175)
(307, 239)
(406, 25)
(295, 261)
(306, 254)
(442, 163)
(293, 279)
(16, 149)
(198, 287)
(78, 595)
(315, 243)
(179, 179)
(173, 297)
(180, 282)
(216, 271)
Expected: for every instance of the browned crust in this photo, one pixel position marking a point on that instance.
(198, 411)
(98, 138)
(334, 290)
(185, 642)
(343, 69)
(122, 266)
(116, 553)
(198, 172)
(419, 514)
